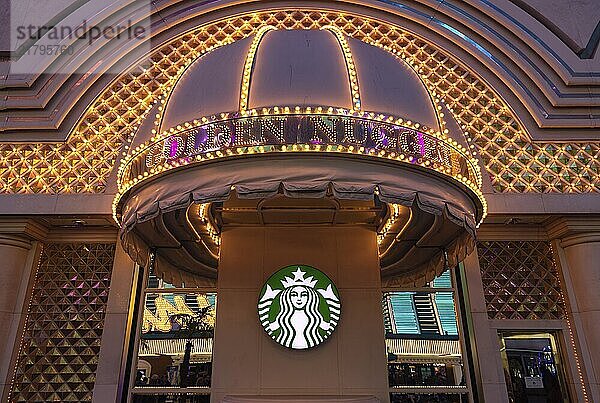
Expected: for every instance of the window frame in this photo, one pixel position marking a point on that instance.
(139, 293)
(469, 390)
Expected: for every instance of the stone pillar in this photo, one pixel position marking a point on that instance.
(579, 252)
(246, 361)
(491, 384)
(18, 255)
(117, 322)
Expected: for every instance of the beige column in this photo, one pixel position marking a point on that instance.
(579, 253)
(488, 361)
(246, 361)
(117, 322)
(18, 256)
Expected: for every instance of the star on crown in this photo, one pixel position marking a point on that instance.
(299, 280)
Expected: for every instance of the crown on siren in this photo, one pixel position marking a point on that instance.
(299, 279)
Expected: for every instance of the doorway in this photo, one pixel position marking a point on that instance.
(532, 367)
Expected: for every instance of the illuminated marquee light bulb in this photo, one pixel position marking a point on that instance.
(245, 89)
(183, 136)
(143, 73)
(350, 66)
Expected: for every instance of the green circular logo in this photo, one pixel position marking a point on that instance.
(299, 307)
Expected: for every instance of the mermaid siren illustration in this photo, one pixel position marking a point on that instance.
(299, 309)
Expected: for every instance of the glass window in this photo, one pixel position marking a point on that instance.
(438, 397)
(174, 346)
(532, 367)
(425, 362)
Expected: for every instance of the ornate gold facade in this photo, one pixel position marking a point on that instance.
(513, 162)
(519, 83)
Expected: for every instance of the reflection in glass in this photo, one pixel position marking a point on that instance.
(428, 398)
(175, 347)
(425, 374)
(425, 363)
(170, 398)
(532, 368)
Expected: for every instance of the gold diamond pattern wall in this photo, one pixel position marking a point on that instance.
(59, 348)
(520, 280)
(515, 164)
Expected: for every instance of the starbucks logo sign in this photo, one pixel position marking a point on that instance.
(299, 307)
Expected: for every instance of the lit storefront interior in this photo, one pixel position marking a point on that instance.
(328, 202)
(532, 366)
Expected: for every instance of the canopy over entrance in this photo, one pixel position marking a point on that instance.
(325, 130)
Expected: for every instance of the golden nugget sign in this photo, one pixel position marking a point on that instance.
(235, 135)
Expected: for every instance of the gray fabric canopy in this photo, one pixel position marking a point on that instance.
(304, 176)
